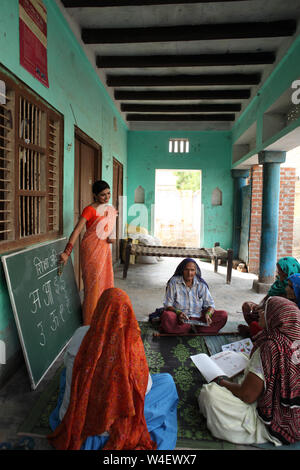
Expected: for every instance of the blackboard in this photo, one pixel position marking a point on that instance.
(46, 306)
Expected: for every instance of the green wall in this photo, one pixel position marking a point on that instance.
(209, 151)
(276, 85)
(77, 93)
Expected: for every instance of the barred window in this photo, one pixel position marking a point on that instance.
(179, 146)
(31, 155)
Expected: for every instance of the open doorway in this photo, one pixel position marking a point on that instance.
(177, 220)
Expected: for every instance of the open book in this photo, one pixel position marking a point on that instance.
(245, 346)
(229, 363)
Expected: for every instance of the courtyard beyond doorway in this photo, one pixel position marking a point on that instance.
(178, 207)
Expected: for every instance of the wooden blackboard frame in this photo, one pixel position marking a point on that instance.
(68, 273)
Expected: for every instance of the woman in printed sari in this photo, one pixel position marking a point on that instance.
(188, 298)
(285, 267)
(265, 406)
(95, 251)
(107, 397)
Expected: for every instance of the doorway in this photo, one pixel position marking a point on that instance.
(116, 199)
(88, 166)
(177, 220)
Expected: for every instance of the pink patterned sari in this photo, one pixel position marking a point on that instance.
(96, 261)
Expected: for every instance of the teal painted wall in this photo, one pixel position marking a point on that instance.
(77, 93)
(210, 152)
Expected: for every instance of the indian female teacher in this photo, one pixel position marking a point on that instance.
(99, 218)
(107, 397)
(265, 405)
(188, 298)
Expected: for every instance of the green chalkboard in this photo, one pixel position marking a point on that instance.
(46, 306)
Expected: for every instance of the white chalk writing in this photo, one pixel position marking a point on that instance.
(36, 300)
(48, 292)
(40, 325)
(45, 266)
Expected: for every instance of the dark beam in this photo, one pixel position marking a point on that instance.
(123, 3)
(180, 117)
(202, 60)
(180, 108)
(182, 95)
(203, 32)
(182, 80)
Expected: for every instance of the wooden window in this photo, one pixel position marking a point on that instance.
(31, 156)
(7, 140)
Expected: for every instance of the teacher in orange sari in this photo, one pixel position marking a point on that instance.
(95, 253)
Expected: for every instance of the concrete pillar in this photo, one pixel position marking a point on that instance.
(239, 177)
(270, 208)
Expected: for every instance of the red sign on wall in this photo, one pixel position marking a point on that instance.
(33, 38)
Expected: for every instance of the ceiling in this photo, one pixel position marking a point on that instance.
(193, 65)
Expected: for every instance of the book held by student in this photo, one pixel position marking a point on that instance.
(229, 363)
(244, 346)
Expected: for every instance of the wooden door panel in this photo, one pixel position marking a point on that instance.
(87, 175)
(77, 210)
(117, 192)
(87, 170)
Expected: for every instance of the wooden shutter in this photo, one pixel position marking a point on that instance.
(31, 167)
(7, 147)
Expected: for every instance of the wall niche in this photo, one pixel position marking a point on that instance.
(216, 198)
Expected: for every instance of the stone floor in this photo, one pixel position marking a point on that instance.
(145, 285)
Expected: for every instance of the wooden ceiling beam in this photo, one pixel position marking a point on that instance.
(203, 32)
(181, 95)
(182, 80)
(202, 60)
(126, 3)
(181, 108)
(180, 117)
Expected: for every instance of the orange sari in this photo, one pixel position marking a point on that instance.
(96, 261)
(109, 381)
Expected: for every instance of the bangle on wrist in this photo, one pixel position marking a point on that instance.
(218, 379)
(178, 312)
(68, 249)
(209, 313)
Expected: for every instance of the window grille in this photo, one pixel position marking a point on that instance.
(179, 146)
(7, 139)
(30, 167)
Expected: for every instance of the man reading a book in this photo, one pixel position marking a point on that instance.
(188, 303)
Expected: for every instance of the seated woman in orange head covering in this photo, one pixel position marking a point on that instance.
(107, 397)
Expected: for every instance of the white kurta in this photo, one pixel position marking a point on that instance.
(231, 419)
